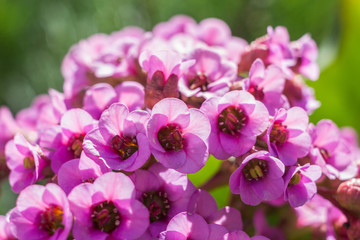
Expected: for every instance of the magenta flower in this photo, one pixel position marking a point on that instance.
(6, 232)
(332, 153)
(120, 140)
(42, 212)
(163, 70)
(322, 216)
(299, 94)
(64, 142)
(263, 228)
(236, 120)
(305, 52)
(77, 171)
(165, 192)
(266, 85)
(214, 32)
(178, 135)
(24, 162)
(186, 226)
(300, 184)
(236, 235)
(8, 126)
(209, 74)
(259, 178)
(287, 135)
(107, 209)
(179, 24)
(205, 205)
(101, 95)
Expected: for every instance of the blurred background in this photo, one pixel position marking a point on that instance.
(35, 36)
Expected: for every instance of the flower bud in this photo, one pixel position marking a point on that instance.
(348, 195)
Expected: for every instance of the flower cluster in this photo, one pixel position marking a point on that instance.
(141, 110)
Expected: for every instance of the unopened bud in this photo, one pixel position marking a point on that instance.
(348, 195)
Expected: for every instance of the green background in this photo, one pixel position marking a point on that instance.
(35, 35)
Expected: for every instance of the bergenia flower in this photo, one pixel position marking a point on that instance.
(300, 186)
(178, 135)
(214, 32)
(163, 70)
(186, 226)
(236, 120)
(287, 135)
(332, 153)
(107, 209)
(24, 162)
(77, 171)
(165, 193)
(305, 52)
(299, 94)
(42, 212)
(8, 126)
(236, 235)
(266, 85)
(101, 95)
(209, 75)
(205, 205)
(179, 24)
(259, 178)
(6, 232)
(64, 142)
(120, 140)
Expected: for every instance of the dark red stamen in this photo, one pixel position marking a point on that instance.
(51, 219)
(278, 134)
(124, 146)
(105, 216)
(170, 137)
(157, 203)
(231, 120)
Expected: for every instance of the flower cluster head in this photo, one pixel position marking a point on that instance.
(142, 113)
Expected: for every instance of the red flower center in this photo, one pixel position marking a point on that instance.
(51, 219)
(105, 216)
(75, 144)
(199, 80)
(231, 120)
(170, 137)
(157, 203)
(256, 92)
(278, 134)
(124, 146)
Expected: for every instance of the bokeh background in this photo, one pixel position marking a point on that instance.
(35, 35)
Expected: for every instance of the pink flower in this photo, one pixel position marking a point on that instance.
(24, 162)
(42, 212)
(8, 126)
(214, 32)
(179, 24)
(259, 178)
(178, 135)
(77, 171)
(287, 135)
(165, 193)
(64, 142)
(6, 232)
(306, 52)
(120, 140)
(300, 186)
(208, 75)
(107, 209)
(236, 235)
(332, 153)
(101, 95)
(266, 85)
(236, 120)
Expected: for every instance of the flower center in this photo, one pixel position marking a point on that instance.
(75, 144)
(124, 146)
(231, 120)
(295, 179)
(278, 134)
(51, 219)
(255, 169)
(256, 92)
(157, 203)
(200, 80)
(105, 216)
(170, 137)
(325, 154)
(29, 162)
